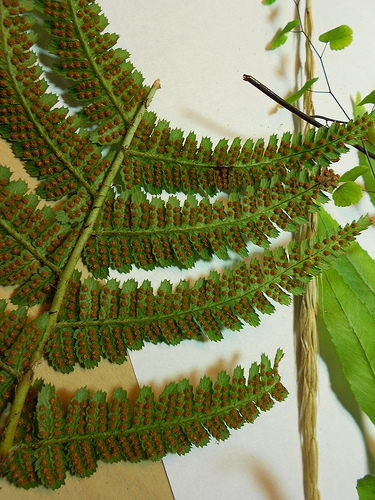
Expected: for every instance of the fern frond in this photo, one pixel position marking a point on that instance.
(57, 148)
(34, 245)
(78, 160)
(161, 158)
(7, 386)
(92, 429)
(19, 339)
(133, 230)
(101, 75)
(107, 321)
(53, 145)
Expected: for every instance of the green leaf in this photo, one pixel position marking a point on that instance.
(347, 194)
(293, 98)
(358, 271)
(110, 432)
(338, 38)
(369, 99)
(354, 173)
(347, 292)
(268, 2)
(202, 309)
(366, 487)
(359, 110)
(351, 327)
(201, 166)
(280, 38)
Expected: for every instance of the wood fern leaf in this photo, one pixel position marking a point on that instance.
(132, 230)
(104, 167)
(54, 145)
(55, 441)
(162, 159)
(35, 246)
(106, 321)
(19, 338)
(35, 129)
(103, 77)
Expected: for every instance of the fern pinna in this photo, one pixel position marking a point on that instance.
(104, 168)
(93, 429)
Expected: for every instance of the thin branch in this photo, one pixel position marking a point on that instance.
(268, 92)
(320, 57)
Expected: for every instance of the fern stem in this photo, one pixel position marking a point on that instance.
(15, 414)
(306, 308)
(26, 381)
(10, 370)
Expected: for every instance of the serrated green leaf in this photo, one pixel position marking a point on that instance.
(366, 487)
(369, 99)
(351, 326)
(280, 38)
(355, 266)
(350, 322)
(293, 98)
(354, 173)
(347, 194)
(338, 38)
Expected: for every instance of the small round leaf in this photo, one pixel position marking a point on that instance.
(338, 38)
(347, 194)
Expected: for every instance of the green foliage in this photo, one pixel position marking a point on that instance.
(91, 429)
(354, 173)
(348, 194)
(77, 159)
(369, 99)
(281, 35)
(347, 308)
(297, 95)
(366, 487)
(338, 38)
(369, 180)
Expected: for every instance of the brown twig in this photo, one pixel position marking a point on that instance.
(308, 119)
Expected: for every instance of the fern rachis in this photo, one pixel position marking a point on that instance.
(269, 187)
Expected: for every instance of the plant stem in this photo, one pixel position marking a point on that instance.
(306, 338)
(293, 109)
(26, 380)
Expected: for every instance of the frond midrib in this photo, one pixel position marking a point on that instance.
(200, 226)
(26, 108)
(30, 248)
(157, 425)
(98, 74)
(192, 309)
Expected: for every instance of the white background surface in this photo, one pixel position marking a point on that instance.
(200, 49)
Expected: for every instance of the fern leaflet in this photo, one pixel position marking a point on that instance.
(91, 429)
